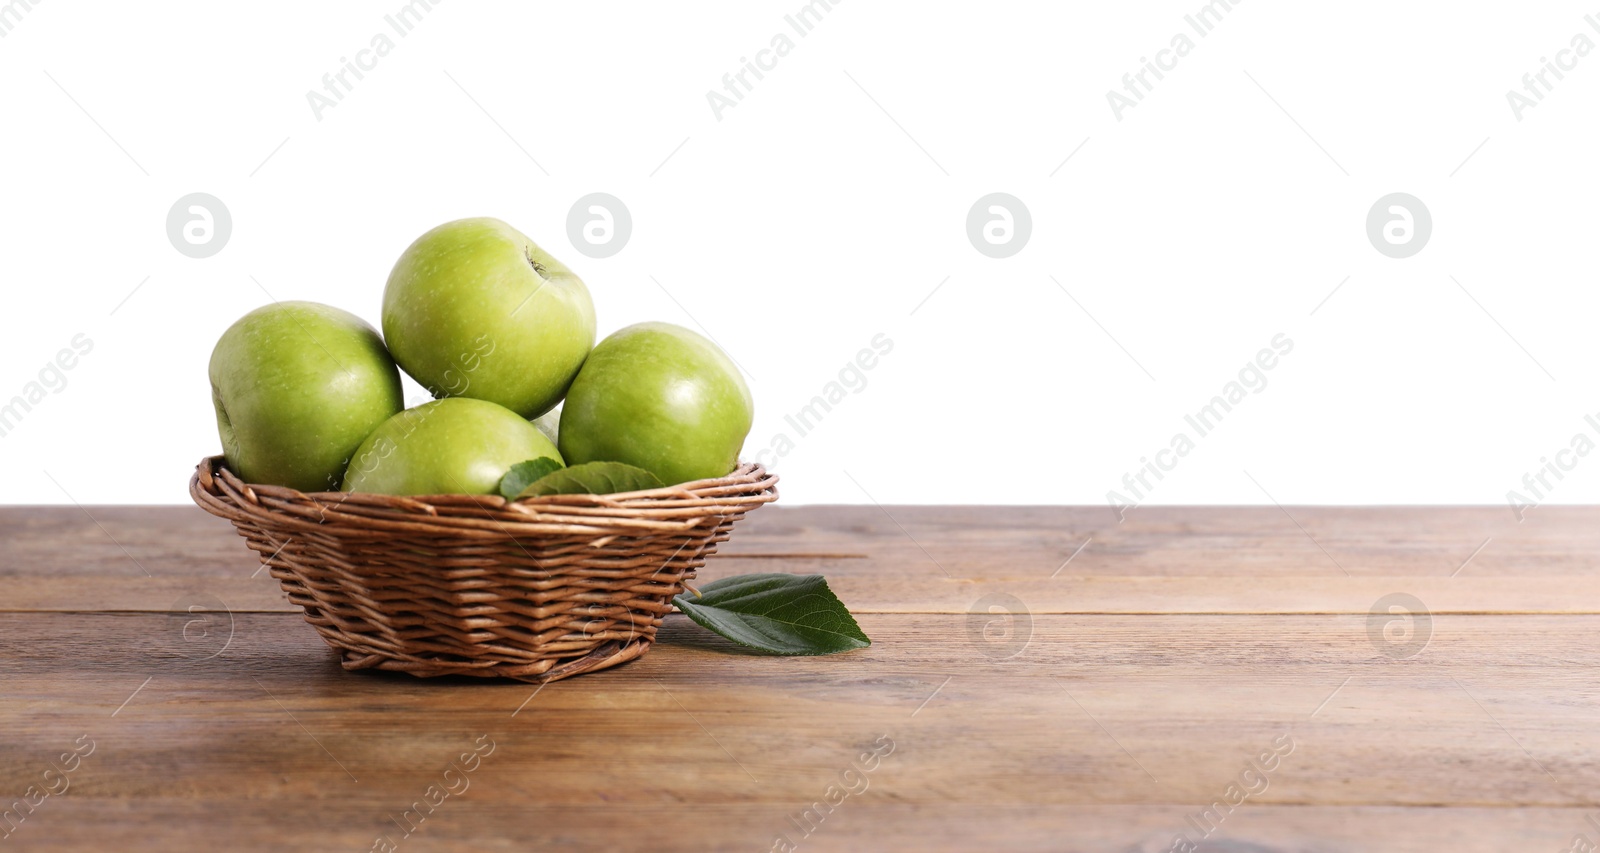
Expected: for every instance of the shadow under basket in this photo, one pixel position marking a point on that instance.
(538, 589)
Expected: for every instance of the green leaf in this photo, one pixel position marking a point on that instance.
(776, 613)
(524, 474)
(591, 478)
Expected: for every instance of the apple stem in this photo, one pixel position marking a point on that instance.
(537, 267)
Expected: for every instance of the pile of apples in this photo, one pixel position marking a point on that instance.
(308, 396)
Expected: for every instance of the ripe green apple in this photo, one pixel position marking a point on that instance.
(457, 445)
(474, 309)
(660, 397)
(297, 386)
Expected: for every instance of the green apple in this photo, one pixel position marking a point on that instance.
(297, 386)
(452, 446)
(474, 309)
(660, 397)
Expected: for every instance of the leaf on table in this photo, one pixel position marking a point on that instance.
(524, 474)
(591, 478)
(776, 613)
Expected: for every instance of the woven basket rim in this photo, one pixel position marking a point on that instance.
(220, 492)
(746, 474)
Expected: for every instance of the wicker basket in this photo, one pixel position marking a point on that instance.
(538, 589)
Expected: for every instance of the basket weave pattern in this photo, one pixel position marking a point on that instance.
(539, 589)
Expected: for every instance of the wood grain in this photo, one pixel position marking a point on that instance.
(1104, 709)
(1161, 560)
(968, 542)
(871, 824)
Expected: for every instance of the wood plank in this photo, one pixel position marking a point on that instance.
(1108, 732)
(893, 593)
(968, 542)
(871, 820)
(1494, 711)
(1162, 560)
(1033, 542)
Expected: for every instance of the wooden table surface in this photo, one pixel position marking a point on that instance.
(1041, 679)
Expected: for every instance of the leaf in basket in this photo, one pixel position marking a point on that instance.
(777, 614)
(525, 474)
(592, 478)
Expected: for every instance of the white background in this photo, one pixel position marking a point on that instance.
(806, 220)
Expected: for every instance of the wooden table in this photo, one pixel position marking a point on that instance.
(1120, 685)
